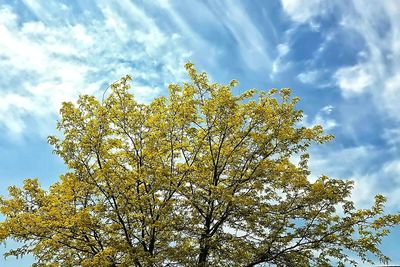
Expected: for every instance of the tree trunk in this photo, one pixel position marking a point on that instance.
(204, 250)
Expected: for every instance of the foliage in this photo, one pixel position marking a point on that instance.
(202, 177)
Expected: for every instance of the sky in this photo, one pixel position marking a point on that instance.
(341, 57)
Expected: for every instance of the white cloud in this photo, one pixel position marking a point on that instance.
(250, 40)
(373, 169)
(342, 162)
(283, 49)
(362, 165)
(327, 124)
(250, 45)
(390, 96)
(386, 181)
(302, 10)
(392, 136)
(365, 188)
(45, 63)
(279, 65)
(321, 118)
(377, 72)
(347, 163)
(327, 109)
(308, 77)
(353, 80)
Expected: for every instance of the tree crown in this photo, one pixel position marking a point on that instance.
(201, 177)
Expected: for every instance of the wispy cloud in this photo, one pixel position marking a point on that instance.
(369, 83)
(377, 73)
(372, 169)
(44, 64)
(392, 136)
(60, 51)
(251, 42)
(303, 11)
(376, 69)
(322, 117)
(308, 77)
(280, 64)
(353, 80)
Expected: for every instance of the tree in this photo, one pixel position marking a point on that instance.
(199, 178)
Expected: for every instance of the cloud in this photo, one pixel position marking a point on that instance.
(377, 72)
(353, 80)
(308, 77)
(44, 64)
(251, 42)
(53, 52)
(392, 136)
(374, 29)
(302, 11)
(321, 118)
(365, 188)
(372, 169)
(346, 163)
(385, 180)
(279, 64)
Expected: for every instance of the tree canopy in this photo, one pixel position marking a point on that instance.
(201, 177)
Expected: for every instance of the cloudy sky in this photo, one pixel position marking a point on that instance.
(341, 57)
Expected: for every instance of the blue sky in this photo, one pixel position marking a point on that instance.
(341, 57)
